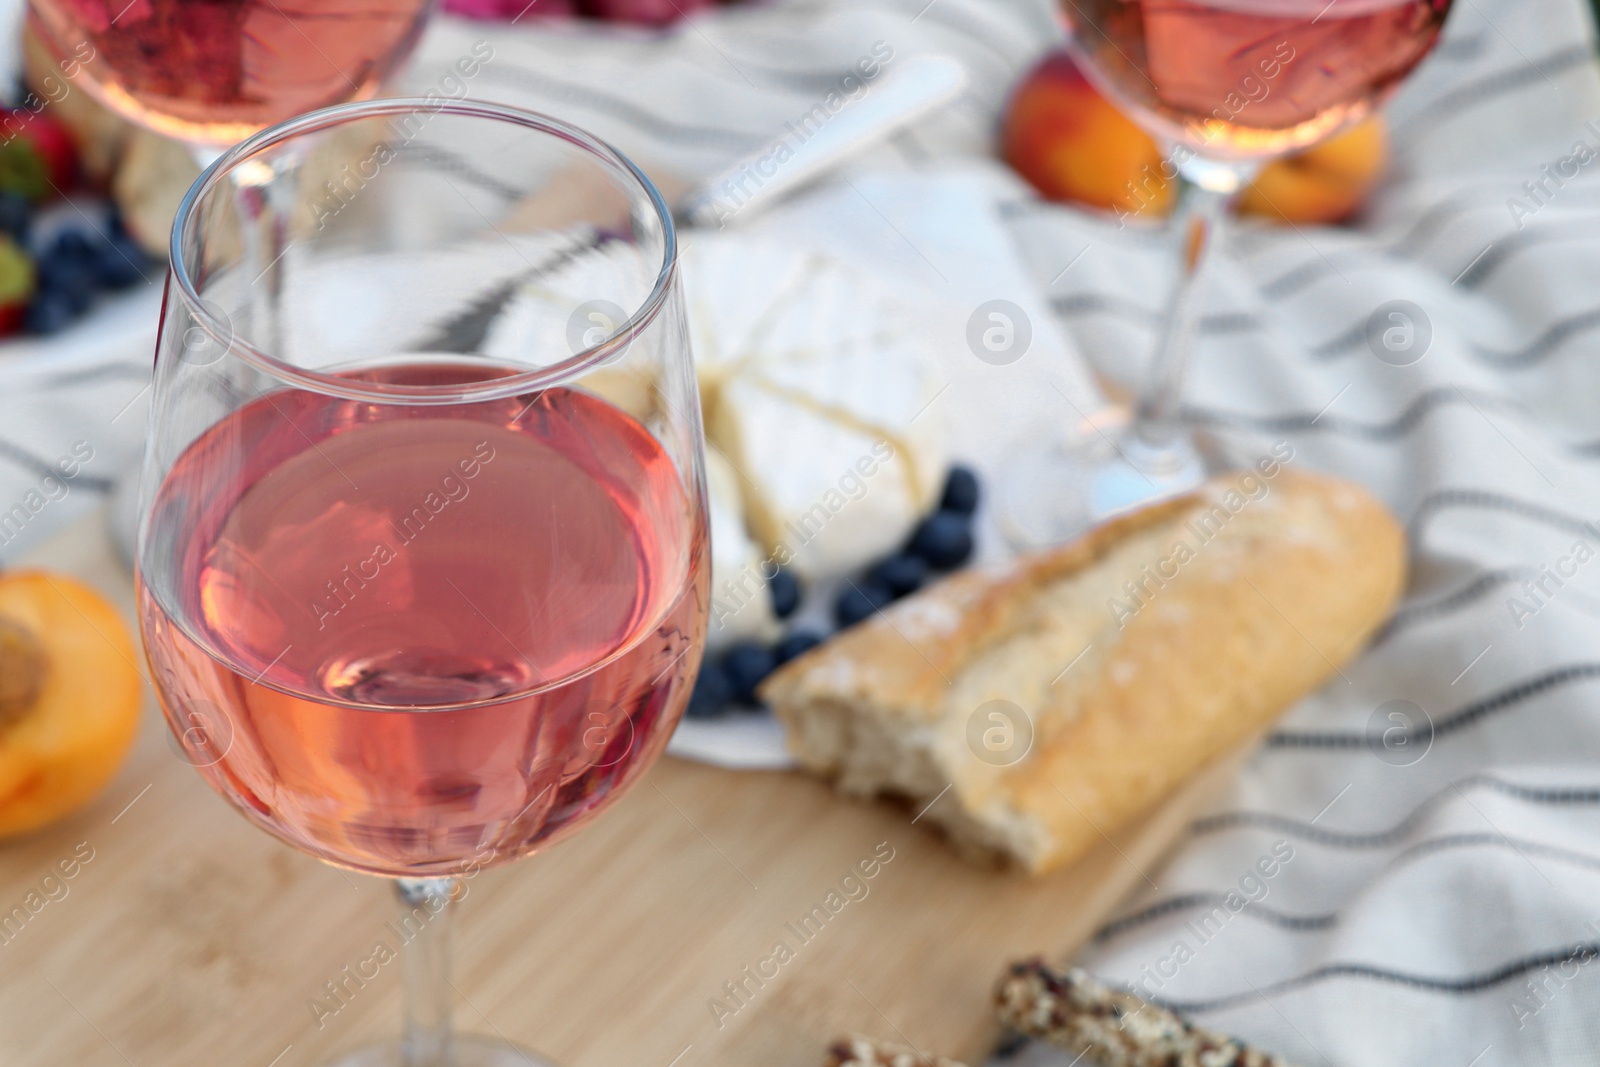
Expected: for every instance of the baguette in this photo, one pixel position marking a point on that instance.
(1059, 697)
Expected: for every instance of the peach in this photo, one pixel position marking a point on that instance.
(1324, 183)
(1072, 144)
(69, 697)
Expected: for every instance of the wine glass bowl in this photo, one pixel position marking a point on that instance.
(1250, 79)
(422, 565)
(211, 73)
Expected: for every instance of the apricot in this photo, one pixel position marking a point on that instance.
(69, 697)
(1324, 183)
(1073, 144)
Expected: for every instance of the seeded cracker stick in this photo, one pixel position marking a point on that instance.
(1073, 1010)
(864, 1052)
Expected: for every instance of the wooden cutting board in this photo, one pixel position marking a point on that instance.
(191, 938)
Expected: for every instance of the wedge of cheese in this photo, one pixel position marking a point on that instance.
(817, 386)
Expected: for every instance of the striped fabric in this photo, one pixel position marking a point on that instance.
(1440, 903)
(1375, 890)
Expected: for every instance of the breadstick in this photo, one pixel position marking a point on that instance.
(1076, 1012)
(865, 1052)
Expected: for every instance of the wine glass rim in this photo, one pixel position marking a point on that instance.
(381, 392)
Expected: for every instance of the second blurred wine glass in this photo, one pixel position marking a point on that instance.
(210, 73)
(1226, 85)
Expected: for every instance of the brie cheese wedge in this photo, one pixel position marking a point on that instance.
(817, 387)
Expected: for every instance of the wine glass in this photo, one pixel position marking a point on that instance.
(1226, 85)
(422, 565)
(210, 73)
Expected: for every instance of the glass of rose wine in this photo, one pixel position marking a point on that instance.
(210, 73)
(422, 564)
(1225, 85)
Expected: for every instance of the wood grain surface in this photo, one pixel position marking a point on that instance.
(191, 938)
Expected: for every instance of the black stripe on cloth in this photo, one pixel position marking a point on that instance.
(1193, 901)
(813, 83)
(971, 31)
(1264, 820)
(1408, 615)
(1473, 591)
(30, 462)
(1303, 923)
(1083, 223)
(1486, 88)
(1472, 983)
(1536, 351)
(962, 24)
(1500, 252)
(1352, 339)
(1423, 405)
(1472, 713)
(1432, 224)
(1443, 500)
(1298, 278)
(437, 157)
(643, 122)
(1072, 304)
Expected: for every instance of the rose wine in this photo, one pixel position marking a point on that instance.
(412, 639)
(216, 71)
(1252, 78)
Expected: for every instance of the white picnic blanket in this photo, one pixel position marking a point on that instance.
(1431, 901)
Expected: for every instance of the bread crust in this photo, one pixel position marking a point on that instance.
(1133, 661)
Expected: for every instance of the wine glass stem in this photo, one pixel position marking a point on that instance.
(1205, 189)
(427, 910)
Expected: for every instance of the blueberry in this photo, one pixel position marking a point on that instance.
(73, 244)
(50, 312)
(902, 574)
(16, 215)
(72, 278)
(796, 644)
(960, 491)
(119, 263)
(747, 667)
(944, 539)
(860, 600)
(712, 693)
(785, 590)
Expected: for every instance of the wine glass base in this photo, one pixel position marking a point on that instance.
(1058, 491)
(468, 1051)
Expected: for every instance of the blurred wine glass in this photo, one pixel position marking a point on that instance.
(1225, 85)
(210, 73)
